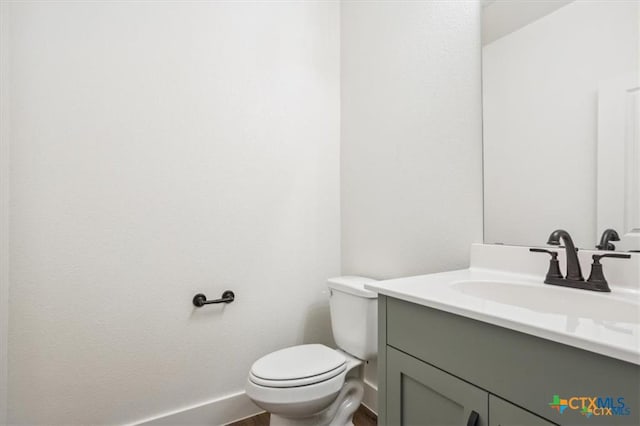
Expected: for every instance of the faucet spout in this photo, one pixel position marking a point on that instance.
(605, 241)
(574, 273)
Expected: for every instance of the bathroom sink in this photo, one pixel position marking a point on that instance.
(543, 298)
(504, 286)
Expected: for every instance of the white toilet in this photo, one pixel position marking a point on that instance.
(307, 384)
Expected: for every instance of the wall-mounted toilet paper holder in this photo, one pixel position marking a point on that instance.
(199, 300)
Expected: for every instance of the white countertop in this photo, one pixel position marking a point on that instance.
(604, 323)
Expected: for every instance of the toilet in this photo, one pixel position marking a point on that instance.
(314, 385)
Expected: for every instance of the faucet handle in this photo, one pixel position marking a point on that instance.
(597, 275)
(597, 257)
(553, 254)
(554, 265)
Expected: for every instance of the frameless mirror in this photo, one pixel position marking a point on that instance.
(561, 125)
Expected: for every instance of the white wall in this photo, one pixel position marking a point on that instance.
(500, 18)
(411, 149)
(540, 119)
(158, 150)
(4, 205)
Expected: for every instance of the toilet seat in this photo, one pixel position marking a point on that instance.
(304, 381)
(298, 374)
(299, 394)
(296, 366)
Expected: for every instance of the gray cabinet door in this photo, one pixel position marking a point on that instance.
(421, 395)
(503, 413)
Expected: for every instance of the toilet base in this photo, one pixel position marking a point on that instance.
(309, 421)
(339, 413)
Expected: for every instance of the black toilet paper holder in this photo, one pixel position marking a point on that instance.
(199, 300)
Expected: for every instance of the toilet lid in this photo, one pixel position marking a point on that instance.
(298, 362)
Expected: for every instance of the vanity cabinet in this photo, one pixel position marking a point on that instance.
(504, 413)
(420, 394)
(437, 368)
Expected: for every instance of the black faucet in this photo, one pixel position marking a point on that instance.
(607, 236)
(553, 274)
(596, 281)
(574, 273)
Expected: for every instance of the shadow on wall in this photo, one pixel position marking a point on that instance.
(317, 325)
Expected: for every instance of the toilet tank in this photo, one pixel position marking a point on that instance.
(354, 316)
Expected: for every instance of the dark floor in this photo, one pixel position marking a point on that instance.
(362, 417)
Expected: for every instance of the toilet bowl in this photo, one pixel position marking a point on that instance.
(313, 384)
(301, 383)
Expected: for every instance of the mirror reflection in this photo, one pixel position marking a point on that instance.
(561, 107)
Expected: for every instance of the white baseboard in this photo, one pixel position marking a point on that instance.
(229, 409)
(370, 399)
(216, 412)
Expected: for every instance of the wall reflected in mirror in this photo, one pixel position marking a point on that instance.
(561, 126)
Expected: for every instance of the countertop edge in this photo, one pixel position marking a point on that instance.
(619, 353)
